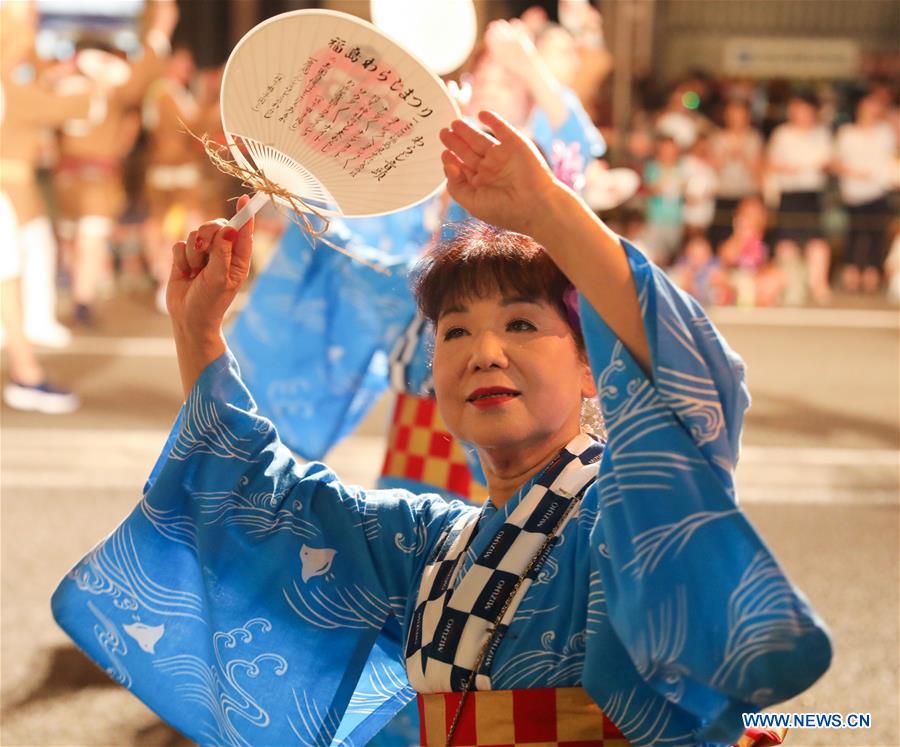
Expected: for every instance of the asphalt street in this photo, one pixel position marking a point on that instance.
(818, 477)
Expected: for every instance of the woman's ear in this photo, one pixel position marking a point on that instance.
(588, 384)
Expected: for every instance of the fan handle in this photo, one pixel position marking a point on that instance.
(249, 210)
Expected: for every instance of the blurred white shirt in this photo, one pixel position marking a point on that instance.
(869, 150)
(806, 152)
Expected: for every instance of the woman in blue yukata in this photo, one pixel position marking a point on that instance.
(610, 592)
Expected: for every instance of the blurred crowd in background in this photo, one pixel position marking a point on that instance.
(749, 192)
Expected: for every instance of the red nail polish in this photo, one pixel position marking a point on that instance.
(199, 243)
(229, 234)
(185, 275)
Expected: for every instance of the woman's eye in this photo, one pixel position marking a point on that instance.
(520, 325)
(453, 333)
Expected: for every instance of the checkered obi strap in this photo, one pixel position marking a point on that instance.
(421, 449)
(461, 598)
(550, 717)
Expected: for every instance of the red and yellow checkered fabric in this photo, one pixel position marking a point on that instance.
(548, 717)
(421, 448)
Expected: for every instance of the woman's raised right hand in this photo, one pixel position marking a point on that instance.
(208, 269)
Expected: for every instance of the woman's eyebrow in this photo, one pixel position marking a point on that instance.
(511, 300)
(457, 309)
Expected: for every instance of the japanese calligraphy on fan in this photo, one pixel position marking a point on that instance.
(348, 104)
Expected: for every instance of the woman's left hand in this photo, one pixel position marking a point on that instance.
(502, 180)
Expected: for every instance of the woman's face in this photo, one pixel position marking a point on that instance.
(737, 116)
(801, 113)
(508, 373)
(494, 87)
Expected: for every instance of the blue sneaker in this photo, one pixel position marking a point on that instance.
(43, 397)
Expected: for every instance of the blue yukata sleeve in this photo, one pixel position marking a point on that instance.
(249, 600)
(314, 336)
(680, 579)
(577, 128)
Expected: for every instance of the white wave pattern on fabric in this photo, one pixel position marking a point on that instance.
(215, 687)
(261, 513)
(661, 644)
(312, 727)
(171, 524)
(398, 607)
(114, 568)
(652, 545)
(416, 545)
(597, 612)
(383, 685)
(640, 416)
(545, 665)
(548, 570)
(202, 431)
(696, 402)
(369, 523)
(525, 614)
(351, 607)
(646, 725)
(761, 620)
(643, 470)
(113, 645)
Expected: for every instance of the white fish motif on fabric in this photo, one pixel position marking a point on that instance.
(147, 636)
(316, 561)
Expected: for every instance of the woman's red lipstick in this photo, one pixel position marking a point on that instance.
(491, 396)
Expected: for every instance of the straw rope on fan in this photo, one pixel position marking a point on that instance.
(253, 178)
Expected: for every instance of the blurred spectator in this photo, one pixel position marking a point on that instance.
(681, 119)
(584, 22)
(799, 153)
(89, 178)
(664, 182)
(865, 160)
(736, 152)
(25, 107)
(698, 272)
(558, 50)
(744, 253)
(892, 264)
(173, 169)
(701, 181)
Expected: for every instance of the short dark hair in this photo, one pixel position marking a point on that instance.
(481, 260)
(807, 96)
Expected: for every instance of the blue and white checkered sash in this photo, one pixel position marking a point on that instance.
(453, 621)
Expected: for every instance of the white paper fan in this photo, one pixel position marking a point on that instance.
(336, 113)
(605, 189)
(441, 33)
